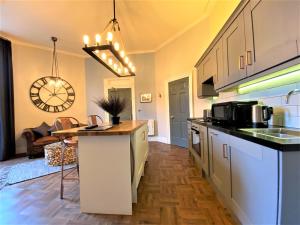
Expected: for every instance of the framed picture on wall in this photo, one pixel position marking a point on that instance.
(146, 98)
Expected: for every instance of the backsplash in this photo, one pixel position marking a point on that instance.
(284, 114)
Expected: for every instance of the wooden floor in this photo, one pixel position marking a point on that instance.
(171, 192)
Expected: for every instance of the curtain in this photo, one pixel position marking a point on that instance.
(7, 127)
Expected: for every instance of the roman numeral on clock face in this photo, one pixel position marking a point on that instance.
(46, 108)
(32, 95)
(37, 102)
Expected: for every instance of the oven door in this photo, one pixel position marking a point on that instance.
(196, 141)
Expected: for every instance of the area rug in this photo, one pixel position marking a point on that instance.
(28, 170)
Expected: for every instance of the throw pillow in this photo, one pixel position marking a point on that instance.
(42, 129)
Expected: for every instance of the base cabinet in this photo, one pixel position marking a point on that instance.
(219, 161)
(261, 185)
(254, 182)
(139, 154)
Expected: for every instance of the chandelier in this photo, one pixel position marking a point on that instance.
(55, 79)
(110, 51)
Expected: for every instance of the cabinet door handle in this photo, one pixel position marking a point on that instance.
(241, 62)
(249, 58)
(225, 154)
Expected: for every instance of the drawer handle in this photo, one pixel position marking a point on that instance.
(225, 153)
(249, 58)
(242, 62)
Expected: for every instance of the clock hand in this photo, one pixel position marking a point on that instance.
(48, 99)
(60, 93)
(47, 89)
(60, 98)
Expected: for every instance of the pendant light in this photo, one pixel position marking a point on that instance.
(108, 49)
(55, 79)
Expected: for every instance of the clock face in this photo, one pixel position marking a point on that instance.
(49, 98)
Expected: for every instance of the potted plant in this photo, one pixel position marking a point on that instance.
(114, 105)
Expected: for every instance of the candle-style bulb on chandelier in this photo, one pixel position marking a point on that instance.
(109, 50)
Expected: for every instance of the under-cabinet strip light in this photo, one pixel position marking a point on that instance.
(279, 78)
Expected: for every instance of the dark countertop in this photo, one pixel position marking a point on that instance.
(274, 143)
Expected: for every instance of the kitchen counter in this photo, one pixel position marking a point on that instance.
(274, 143)
(111, 165)
(124, 128)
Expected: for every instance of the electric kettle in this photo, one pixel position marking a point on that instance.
(260, 115)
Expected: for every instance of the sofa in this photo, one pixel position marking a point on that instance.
(37, 140)
(40, 136)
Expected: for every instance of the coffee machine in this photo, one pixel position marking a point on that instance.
(261, 114)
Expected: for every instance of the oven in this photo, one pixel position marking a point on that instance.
(195, 139)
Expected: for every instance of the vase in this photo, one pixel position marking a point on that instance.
(115, 120)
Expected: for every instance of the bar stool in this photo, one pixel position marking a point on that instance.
(94, 120)
(64, 123)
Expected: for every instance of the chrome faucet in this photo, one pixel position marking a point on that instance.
(289, 95)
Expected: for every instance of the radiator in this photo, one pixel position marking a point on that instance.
(150, 127)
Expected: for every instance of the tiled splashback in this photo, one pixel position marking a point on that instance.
(284, 114)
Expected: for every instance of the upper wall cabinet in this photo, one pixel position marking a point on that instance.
(210, 72)
(206, 70)
(260, 35)
(271, 29)
(234, 51)
(219, 66)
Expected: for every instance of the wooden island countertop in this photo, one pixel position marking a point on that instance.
(124, 128)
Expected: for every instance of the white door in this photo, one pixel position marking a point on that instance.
(271, 33)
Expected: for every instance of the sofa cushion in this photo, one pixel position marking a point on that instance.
(46, 140)
(42, 130)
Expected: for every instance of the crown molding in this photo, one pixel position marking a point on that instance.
(41, 47)
(209, 6)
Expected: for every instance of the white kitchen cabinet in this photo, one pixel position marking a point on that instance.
(234, 51)
(139, 149)
(271, 33)
(254, 182)
(220, 161)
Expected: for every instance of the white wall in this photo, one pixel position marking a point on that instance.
(144, 83)
(31, 63)
(177, 60)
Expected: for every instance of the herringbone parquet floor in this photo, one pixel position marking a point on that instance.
(171, 192)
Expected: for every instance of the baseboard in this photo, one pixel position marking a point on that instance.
(20, 155)
(159, 139)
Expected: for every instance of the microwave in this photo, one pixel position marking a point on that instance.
(236, 113)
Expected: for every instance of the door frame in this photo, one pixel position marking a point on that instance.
(191, 109)
(122, 82)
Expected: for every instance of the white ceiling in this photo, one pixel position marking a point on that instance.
(145, 24)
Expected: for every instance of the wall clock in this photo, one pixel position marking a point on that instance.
(50, 98)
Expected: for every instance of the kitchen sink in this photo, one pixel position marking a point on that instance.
(280, 133)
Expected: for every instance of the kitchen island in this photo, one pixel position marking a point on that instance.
(111, 165)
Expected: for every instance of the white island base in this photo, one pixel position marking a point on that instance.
(105, 171)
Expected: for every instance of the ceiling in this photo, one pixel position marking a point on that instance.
(145, 24)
